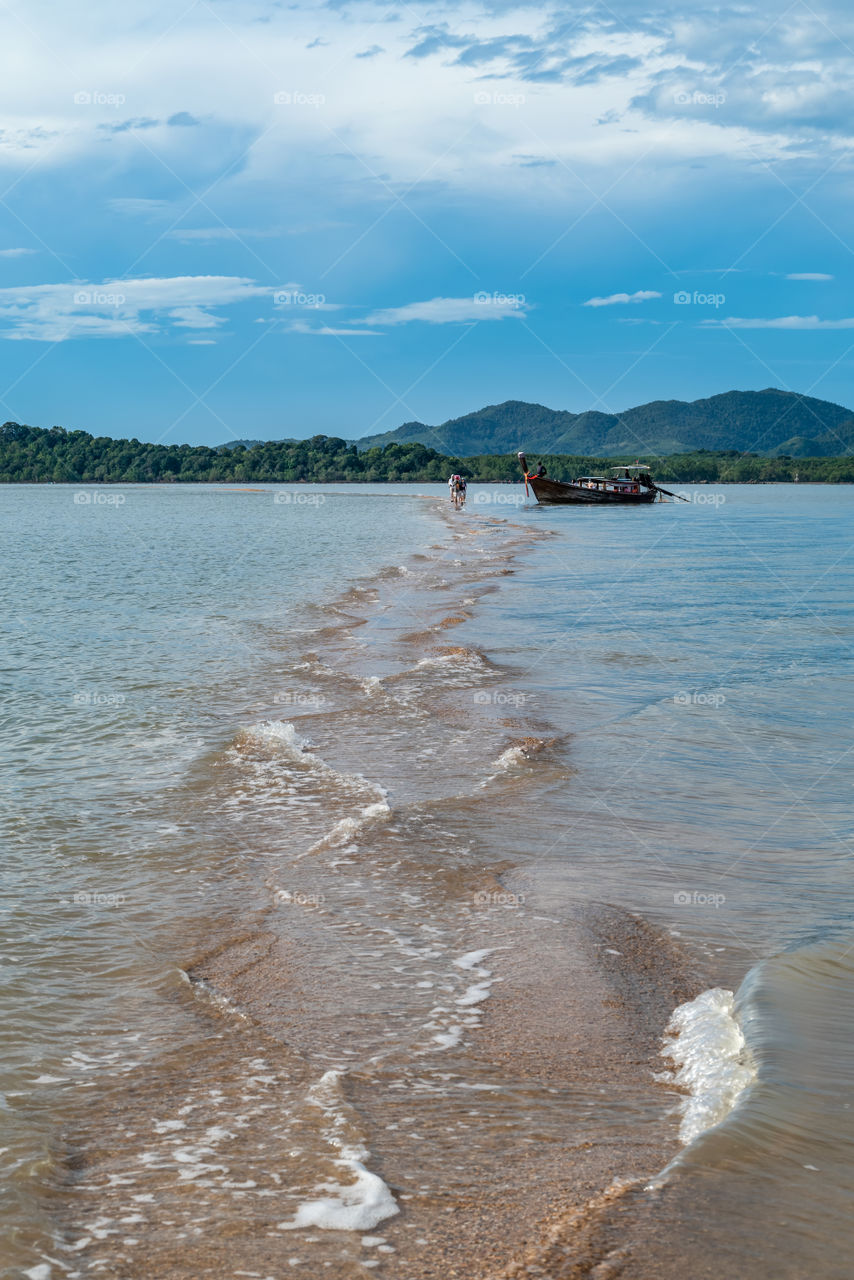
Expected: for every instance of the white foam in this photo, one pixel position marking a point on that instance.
(377, 810)
(511, 758)
(472, 959)
(474, 994)
(466, 659)
(283, 734)
(290, 748)
(347, 829)
(449, 1039)
(202, 990)
(711, 1057)
(353, 1206)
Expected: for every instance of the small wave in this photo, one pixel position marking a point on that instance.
(459, 656)
(348, 829)
(209, 995)
(371, 685)
(464, 654)
(394, 571)
(510, 758)
(285, 768)
(357, 1205)
(280, 734)
(712, 1060)
(517, 754)
(283, 741)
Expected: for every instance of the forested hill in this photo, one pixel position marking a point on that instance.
(771, 423)
(35, 455)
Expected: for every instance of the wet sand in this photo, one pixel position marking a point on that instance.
(536, 1168)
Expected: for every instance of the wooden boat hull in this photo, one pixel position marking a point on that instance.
(552, 492)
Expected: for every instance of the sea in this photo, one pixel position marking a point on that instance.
(398, 890)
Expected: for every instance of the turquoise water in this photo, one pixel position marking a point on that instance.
(222, 699)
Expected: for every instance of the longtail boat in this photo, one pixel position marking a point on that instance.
(624, 486)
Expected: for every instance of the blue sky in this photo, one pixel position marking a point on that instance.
(231, 219)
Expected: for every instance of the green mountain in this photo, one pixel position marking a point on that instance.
(772, 423)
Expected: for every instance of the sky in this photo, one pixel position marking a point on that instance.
(226, 219)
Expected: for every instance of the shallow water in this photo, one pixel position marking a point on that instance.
(305, 784)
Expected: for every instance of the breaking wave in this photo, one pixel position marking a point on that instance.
(706, 1044)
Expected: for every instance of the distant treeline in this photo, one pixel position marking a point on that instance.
(34, 455)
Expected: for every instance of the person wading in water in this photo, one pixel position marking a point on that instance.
(457, 487)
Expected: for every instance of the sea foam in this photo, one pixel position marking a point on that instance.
(359, 1204)
(283, 734)
(706, 1043)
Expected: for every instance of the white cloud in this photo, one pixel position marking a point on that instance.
(613, 299)
(536, 67)
(222, 233)
(195, 318)
(229, 73)
(780, 322)
(808, 275)
(16, 253)
(300, 326)
(141, 206)
(452, 310)
(120, 308)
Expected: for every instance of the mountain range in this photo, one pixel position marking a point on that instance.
(772, 423)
